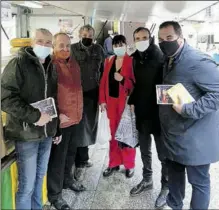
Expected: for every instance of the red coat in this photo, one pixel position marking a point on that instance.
(124, 90)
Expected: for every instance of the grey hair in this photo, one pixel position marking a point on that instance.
(87, 27)
(43, 31)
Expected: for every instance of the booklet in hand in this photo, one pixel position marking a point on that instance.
(179, 92)
(46, 106)
(163, 97)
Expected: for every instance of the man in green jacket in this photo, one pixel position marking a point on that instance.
(26, 79)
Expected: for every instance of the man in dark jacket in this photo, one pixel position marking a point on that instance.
(90, 58)
(147, 65)
(26, 79)
(190, 130)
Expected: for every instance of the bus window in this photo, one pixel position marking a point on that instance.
(10, 29)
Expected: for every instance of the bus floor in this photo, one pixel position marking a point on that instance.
(113, 192)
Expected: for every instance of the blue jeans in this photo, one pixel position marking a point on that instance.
(198, 177)
(32, 162)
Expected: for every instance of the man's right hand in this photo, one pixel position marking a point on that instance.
(132, 108)
(103, 107)
(44, 119)
(63, 118)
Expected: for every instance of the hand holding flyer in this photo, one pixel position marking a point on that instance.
(173, 94)
(44, 119)
(180, 95)
(46, 106)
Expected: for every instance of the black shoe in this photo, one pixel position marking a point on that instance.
(60, 204)
(141, 187)
(109, 171)
(129, 172)
(79, 174)
(161, 199)
(75, 186)
(88, 164)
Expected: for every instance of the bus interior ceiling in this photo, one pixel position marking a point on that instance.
(120, 16)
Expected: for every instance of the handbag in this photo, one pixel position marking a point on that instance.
(126, 131)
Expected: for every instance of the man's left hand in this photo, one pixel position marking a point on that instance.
(57, 140)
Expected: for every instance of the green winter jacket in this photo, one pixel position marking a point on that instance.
(24, 81)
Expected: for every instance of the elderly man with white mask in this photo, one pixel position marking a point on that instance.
(26, 79)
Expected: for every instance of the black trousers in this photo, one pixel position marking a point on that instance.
(82, 156)
(146, 128)
(61, 161)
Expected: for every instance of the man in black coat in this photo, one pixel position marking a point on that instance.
(147, 65)
(90, 57)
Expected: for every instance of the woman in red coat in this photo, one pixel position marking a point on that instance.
(116, 84)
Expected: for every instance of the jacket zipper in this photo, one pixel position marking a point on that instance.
(25, 126)
(45, 90)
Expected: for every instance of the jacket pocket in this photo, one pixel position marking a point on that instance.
(172, 122)
(96, 62)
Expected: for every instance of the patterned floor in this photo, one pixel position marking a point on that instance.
(113, 192)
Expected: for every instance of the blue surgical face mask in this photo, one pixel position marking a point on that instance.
(120, 51)
(41, 51)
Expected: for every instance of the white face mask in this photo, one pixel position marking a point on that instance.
(120, 51)
(41, 51)
(142, 45)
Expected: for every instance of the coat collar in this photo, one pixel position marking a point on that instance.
(112, 58)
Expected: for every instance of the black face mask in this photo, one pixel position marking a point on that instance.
(169, 48)
(87, 42)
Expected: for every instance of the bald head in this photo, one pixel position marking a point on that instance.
(60, 36)
(61, 45)
(61, 41)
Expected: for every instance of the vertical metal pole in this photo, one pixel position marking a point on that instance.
(28, 25)
(23, 25)
(123, 27)
(18, 22)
